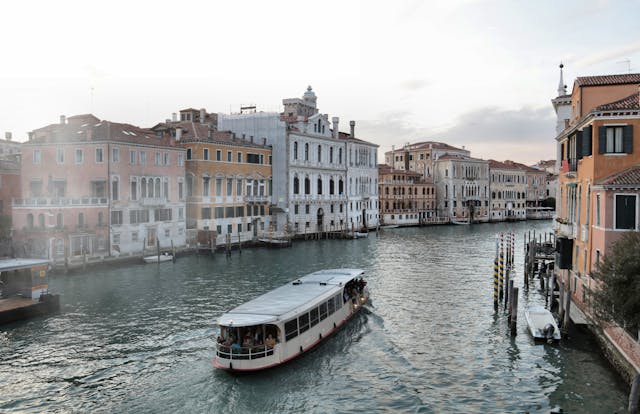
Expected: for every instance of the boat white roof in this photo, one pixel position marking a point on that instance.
(291, 298)
(20, 263)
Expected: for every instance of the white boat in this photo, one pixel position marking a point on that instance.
(277, 243)
(359, 235)
(288, 321)
(542, 324)
(455, 221)
(158, 259)
(389, 226)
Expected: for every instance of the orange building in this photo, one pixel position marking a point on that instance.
(599, 182)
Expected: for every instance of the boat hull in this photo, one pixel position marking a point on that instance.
(539, 318)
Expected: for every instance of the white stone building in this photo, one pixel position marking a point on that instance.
(508, 185)
(309, 166)
(462, 187)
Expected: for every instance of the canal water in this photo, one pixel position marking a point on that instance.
(140, 338)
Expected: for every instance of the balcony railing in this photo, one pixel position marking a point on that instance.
(565, 229)
(153, 201)
(59, 201)
(257, 198)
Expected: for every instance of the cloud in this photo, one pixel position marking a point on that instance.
(608, 54)
(525, 135)
(414, 85)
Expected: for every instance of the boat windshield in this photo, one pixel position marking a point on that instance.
(247, 342)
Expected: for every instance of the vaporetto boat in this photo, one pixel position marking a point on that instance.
(288, 321)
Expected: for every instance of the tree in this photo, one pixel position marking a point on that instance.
(617, 299)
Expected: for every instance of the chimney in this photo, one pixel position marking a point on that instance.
(166, 121)
(264, 142)
(336, 132)
(352, 124)
(178, 133)
(63, 119)
(174, 117)
(210, 131)
(7, 136)
(203, 115)
(251, 136)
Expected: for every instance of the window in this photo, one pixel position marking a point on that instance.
(253, 158)
(100, 219)
(158, 158)
(218, 155)
(295, 150)
(116, 217)
(188, 154)
(307, 185)
(306, 152)
(331, 155)
(303, 323)
(307, 209)
(37, 156)
(228, 156)
(229, 187)
(615, 139)
(291, 329)
(296, 209)
(79, 156)
(218, 187)
(133, 156)
(625, 212)
(180, 189)
(162, 214)
(205, 154)
(143, 158)
(296, 185)
(59, 221)
(319, 153)
(206, 213)
(319, 185)
(323, 310)
(313, 317)
(331, 307)
(59, 156)
(180, 213)
(166, 160)
(99, 156)
(98, 188)
(239, 157)
(114, 188)
(597, 209)
(134, 236)
(239, 187)
(138, 216)
(81, 222)
(115, 155)
(205, 186)
(181, 159)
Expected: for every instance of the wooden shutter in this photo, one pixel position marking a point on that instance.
(578, 145)
(586, 142)
(602, 139)
(627, 139)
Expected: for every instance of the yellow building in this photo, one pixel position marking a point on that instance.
(228, 181)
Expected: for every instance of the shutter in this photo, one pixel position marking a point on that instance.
(602, 139)
(627, 139)
(586, 142)
(578, 145)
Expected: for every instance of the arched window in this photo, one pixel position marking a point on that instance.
(189, 185)
(80, 219)
(339, 155)
(41, 220)
(319, 185)
(143, 187)
(296, 185)
(306, 152)
(331, 154)
(307, 185)
(157, 188)
(295, 150)
(29, 221)
(59, 222)
(493, 195)
(319, 153)
(331, 187)
(150, 188)
(340, 187)
(188, 153)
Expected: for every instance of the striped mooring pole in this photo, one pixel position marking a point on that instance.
(501, 266)
(495, 283)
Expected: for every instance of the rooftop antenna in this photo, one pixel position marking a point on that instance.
(628, 62)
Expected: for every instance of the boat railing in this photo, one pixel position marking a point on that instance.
(243, 352)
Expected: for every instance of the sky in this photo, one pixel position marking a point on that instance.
(472, 73)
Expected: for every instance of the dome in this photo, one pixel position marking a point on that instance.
(309, 94)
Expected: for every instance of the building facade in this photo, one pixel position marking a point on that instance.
(462, 187)
(310, 165)
(94, 188)
(228, 179)
(406, 199)
(420, 157)
(508, 184)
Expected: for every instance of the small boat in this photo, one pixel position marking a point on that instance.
(359, 235)
(541, 324)
(389, 226)
(158, 259)
(288, 321)
(275, 243)
(455, 221)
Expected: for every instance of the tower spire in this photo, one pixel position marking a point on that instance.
(562, 88)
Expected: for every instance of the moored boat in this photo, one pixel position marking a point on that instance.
(359, 235)
(158, 258)
(542, 324)
(288, 321)
(456, 221)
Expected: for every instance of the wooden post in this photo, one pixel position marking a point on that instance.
(633, 395)
(158, 248)
(173, 252)
(509, 298)
(495, 283)
(567, 313)
(561, 300)
(551, 288)
(508, 286)
(144, 245)
(514, 312)
(239, 244)
(212, 243)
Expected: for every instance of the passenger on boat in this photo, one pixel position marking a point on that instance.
(345, 295)
(257, 338)
(248, 340)
(270, 342)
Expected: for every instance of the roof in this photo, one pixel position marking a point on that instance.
(458, 157)
(627, 177)
(507, 165)
(630, 102)
(430, 145)
(85, 128)
(348, 137)
(14, 264)
(387, 169)
(603, 80)
(288, 298)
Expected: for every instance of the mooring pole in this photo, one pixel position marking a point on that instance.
(633, 395)
(514, 312)
(495, 282)
(501, 269)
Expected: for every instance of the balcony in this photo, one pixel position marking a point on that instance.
(59, 202)
(257, 198)
(153, 201)
(565, 229)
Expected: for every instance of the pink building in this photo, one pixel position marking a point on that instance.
(93, 188)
